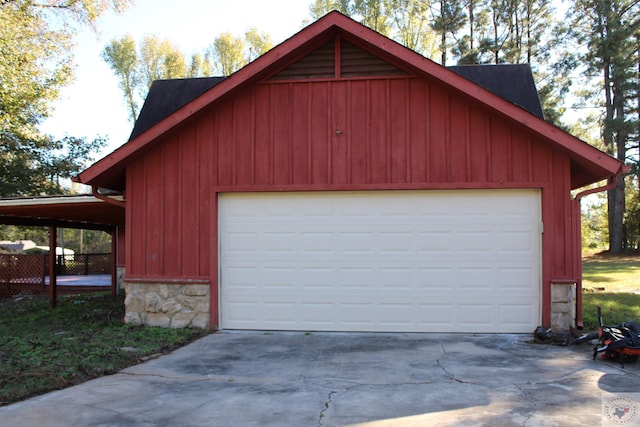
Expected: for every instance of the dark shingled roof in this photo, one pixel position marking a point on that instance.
(513, 82)
(168, 96)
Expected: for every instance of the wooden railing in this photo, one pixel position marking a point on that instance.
(25, 273)
(21, 274)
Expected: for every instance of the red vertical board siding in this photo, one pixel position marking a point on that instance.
(135, 217)
(207, 162)
(189, 207)
(520, 156)
(153, 212)
(479, 156)
(438, 134)
(300, 116)
(562, 212)
(172, 206)
(281, 133)
(549, 242)
(500, 151)
(418, 124)
(398, 131)
(262, 136)
(214, 295)
(459, 140)
(358, 132)
(319, 133)
(243, 146)
(340, 135)
(541, 163)
(225, 141)
(378, 147)
(121, 247)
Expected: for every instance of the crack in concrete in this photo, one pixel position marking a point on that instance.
(451, 375)
(76, 406)
(531, 402)
(356, 385)
(326, 406)
(205, 378)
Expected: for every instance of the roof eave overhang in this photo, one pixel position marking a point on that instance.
(111, 169)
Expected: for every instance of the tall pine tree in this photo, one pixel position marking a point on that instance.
(609, 30)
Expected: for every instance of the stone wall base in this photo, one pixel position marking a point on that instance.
(563, 306)
(169, 305)
(120, 271)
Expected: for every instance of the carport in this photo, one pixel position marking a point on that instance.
(86, 212)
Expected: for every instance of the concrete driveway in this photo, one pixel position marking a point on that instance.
(340, 379)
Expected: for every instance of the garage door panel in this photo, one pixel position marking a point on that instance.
(381, 261)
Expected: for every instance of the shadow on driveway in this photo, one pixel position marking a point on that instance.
(340, 379)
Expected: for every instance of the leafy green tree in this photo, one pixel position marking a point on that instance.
(137, 66)
(410, 22)
(632, 214)
(161, 59)
(12, 233)
(226, 54)
(371, 13)
(448, 21)
(319, 8)
(36, 40)
(121, 56)
(595, 233)
(34, 66)
(609, 29)
(198, 67)
(257, 42)
(466, 48)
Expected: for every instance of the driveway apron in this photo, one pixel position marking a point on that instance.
(347, 379)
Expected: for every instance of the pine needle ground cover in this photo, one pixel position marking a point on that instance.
(612, 282)
(43, 349)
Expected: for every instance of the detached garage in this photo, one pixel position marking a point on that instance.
(342, 182)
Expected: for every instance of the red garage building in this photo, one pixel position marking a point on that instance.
(343, 182)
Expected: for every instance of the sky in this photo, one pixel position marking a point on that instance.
(94, 104)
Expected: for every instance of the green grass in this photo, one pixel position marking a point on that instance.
(43, 349)
(612, 282)
(614, 274)
(616, 308)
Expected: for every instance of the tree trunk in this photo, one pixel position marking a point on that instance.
(471, 22)
(443, 35)
(617, 238)
(616, 214)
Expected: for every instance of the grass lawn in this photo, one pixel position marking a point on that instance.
(612, 282)
(83, 338)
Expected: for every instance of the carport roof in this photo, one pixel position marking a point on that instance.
(82, 211)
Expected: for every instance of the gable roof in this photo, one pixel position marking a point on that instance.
(588, 163)
(513, 82)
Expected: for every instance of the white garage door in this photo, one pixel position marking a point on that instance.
(400, 261)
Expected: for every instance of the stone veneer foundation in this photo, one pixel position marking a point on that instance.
(169, 305)
(563, 306)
